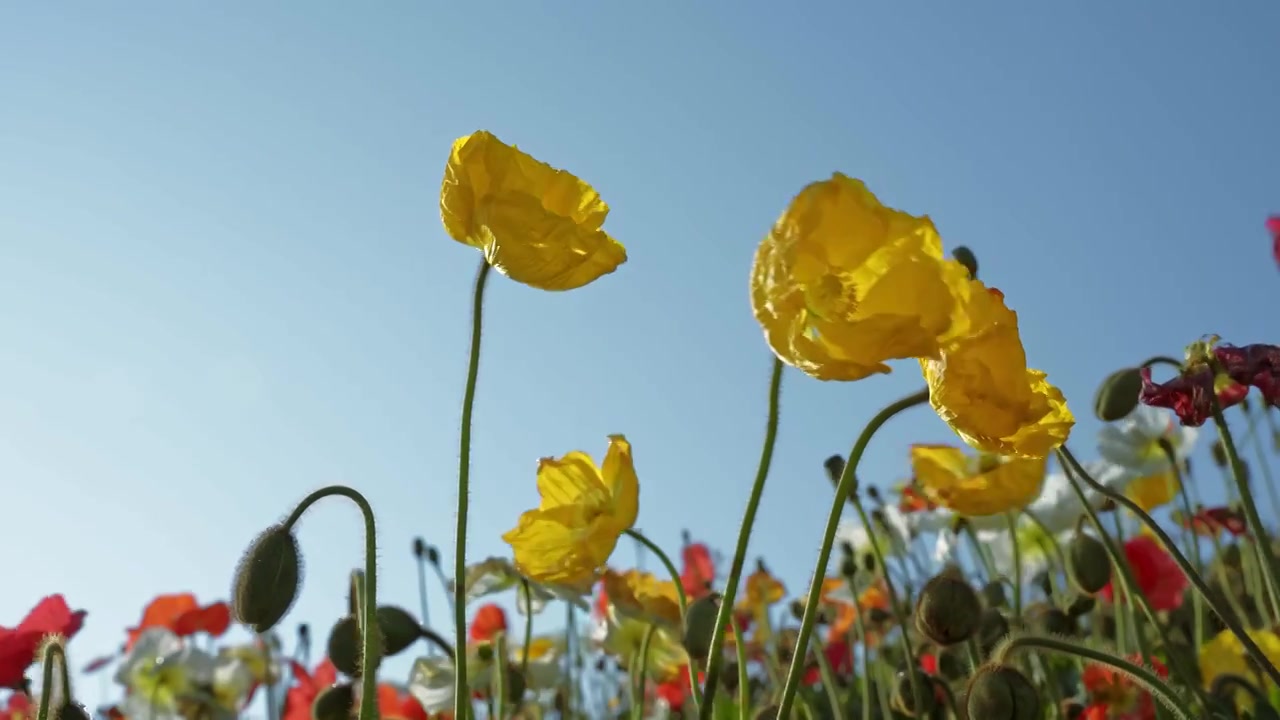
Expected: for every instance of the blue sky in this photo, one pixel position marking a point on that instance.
(225, 282)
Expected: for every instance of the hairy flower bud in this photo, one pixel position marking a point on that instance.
(835, 467)
(1049, 620)
(699, 625)
(965, 257)
(994, 595)
(907, 690)
(336, 702)
(399, 629)
(1002, 693)
(1081, 605)
(344, 646)
(1117, 396)
(992, 627)
(1088, 563)
(267, 579)
(1219, 453)
(948, 610)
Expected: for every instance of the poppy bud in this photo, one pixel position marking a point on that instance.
(1117, 396)
(433, 555)
(399, 629)
(71, 711)
(873, 492)
(993, 593)
(336, 702)
(1002, 693)
(835, 467)
(344, 646)
(869, 562)
(1081, 605)
(515, 685)
(797, 609)
(848, 567)
(950, 665)
(992, 627)
(1049, 620)
(965, 257)
(304, 633)
(699, 624)
(905, 693)
(948, 610)
(1219, 452)
(267, 579)
(420, 548)
(484, 652)
(1088, 563)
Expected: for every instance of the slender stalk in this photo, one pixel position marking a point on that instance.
(528, 628)
(1249, 645)
(828, 676)
(571, 660)
(844, 488)
(1197, 602)
(744, 682)
(499, 689)
(422, 596)
(371, 648)
(865, 679)
(1266, 558)
(461, 697)
(716, 659)
(1263, 464)
(665, 559)
(1139, 674)
(641, 662)
(1011, 520)
(53, 654)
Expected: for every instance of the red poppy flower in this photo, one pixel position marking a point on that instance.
(1157, 574)
(18, 646)
(488, 622)
(699, 570)
(676, 691)
(912, 501)
(397, 704)
(1212, 522)
(1188, 395)
(181, 614)
(306, 688)
(1253, 366)
(1273, 225)
(1117, 696)
(839, 655)
(18, 708)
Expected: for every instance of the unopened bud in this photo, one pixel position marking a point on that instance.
(1088, 563)
(699, 625)
(336, 702)
(1002, 693)
(71, 711)
(948, 610)
(873, 492)
(1049, 620)
(994, 595)
(913, 696)
(420, 548)
(992, 627)
(869, 562)
(344, 646)
(399, 629)
(848, 567)
(965, 257)
(267, 579)
(1219, 453)
(835, 467)
(797, 609)
(1081, 605)
(1117, 396)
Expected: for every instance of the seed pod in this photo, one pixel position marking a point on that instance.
(1088, 563)
(948, 610)
(965, 257)
(336, 702)
(904, 693)
(699, 625)
(267, 579)
(1117, 396)
(344, 646)
(399, 629)
(997, 692)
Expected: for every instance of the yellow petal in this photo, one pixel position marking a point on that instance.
(843, 283)
(1153, 491)
(571, 480)
(642, 596)
(981, 387)
(619, 475)
(1010, 484)
(560, 546)
(538, 225)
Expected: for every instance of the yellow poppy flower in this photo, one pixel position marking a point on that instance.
(584, 509)
(843, 283)
(535, 224)
(1225, 654)
(667, 657)
(1153, 491)
(976, 486)
(980, 384)
(642, 596)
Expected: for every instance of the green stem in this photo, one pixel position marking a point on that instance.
(499, 690)
(371, 648)
(865, 679)
(829, 683)
(844, 490)
(1139, 674)
(1197, 602)
(639, 537)
(54, 654)
(744, 681)
(571, 652)
(1054, 546)
(716, 657)
(1249, 645)
(1263, 465)
(1266, 558)
(461, 696)
(528, 628)
(638, 675)
(1012, 523)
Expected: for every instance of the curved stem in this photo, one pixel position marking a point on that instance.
(681, 598)
(1141, 675)
(1266, 557)
(438, 641)
(461, 696)
(371, 649)
(844, 489)
(1161, 360)
(53, 654)
(1249, 645)
(716, 658)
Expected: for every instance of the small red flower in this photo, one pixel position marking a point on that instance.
(488, 622)
(839, 654)
(19, 708)
(1253, 366)
(1157, 574)
(18, 646)
(1116, 696)
(306, 688)
(699, 570)
(1273, 226)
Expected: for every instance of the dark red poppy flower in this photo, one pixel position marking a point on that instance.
(1212, 522)
(306, 688)
(1189, 394)
(839, 655)
(699, 570)
(1157, 574)
(676, 691)
(1273, 226)
(1253, 366)
(488, 622)
(18, 646)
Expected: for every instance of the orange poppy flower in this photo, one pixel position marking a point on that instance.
(488, 622)
(181, 614)
(397, 704)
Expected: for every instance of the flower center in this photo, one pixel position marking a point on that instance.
(832, 297)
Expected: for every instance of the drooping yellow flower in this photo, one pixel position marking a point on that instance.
(642, 596)
(843, 283)
(1225, 654)
(535, 224)
(976, 486)
(980, 384)
(1153, 491)
(568, 539)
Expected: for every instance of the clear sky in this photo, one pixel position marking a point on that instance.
(225, 282)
